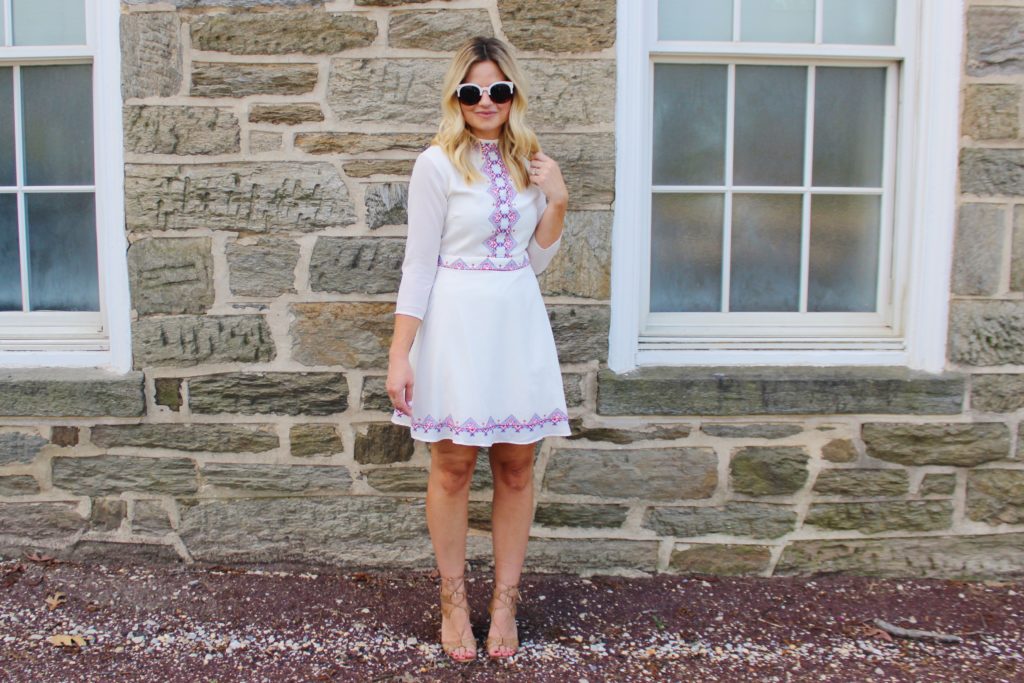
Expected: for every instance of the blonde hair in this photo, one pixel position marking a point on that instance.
(517, 140)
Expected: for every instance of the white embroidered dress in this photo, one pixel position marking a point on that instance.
(484, 359)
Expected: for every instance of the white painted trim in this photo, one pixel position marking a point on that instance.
(928, 147)
(113, 349)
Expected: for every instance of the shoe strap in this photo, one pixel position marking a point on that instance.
(506, 596)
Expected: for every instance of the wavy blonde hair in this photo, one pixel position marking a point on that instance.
(516, 141)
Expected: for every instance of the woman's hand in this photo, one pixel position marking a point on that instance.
(399, 384)
(545, 174)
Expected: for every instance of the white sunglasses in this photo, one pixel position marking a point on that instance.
(471, 93)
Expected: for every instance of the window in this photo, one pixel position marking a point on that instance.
(769, 162)
(60, 216)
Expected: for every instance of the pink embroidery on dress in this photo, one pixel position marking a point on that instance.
(486, 264)
(504, 216)
(473, 428)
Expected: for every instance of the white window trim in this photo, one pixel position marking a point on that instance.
(111, 349)
(931, 147)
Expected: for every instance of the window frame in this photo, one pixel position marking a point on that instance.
(927, 148)
(77, 338)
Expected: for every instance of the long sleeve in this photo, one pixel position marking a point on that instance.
(427, 209)
(540, 256)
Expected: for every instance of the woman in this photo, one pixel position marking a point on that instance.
(486, 209)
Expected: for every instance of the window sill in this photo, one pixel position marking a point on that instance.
(779, 390)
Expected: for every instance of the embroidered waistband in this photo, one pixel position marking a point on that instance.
(483, 262)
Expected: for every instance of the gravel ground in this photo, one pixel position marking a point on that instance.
(274, 623)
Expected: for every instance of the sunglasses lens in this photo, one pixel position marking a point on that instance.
(501, 93)
(469, 94)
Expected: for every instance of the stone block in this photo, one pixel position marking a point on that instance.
(18, 485)
(315, 439)
(186, 340)
(350, 334)
(1017, 251)
(992, 111)
(150, 517)
(649, 432)
(110, 475)
(479, 516)
(945, 557)
(654, 474)
(593, 554)
(64, 436)
(265, 268)
(231, 79)
(122, 553)
(199, 4)
(278, 33)
(559, 26)
(164, 129)
(286, 114)
(753, 430)
(582, 266)
(364, 168)
(959, 445)
(994, 46)
(839, 450)
(243, 479)
(997, 393)
(437, 30)
(938, 484)
(261, 141)
(374, 395)
(268, 393)
(81, 392)
(581, 332)
(168, 392)
(52, 520)
(356, 265)
(992, 172)
(720, 559)
(171, 275)
(348, 531)
(398, 479)
(593, 515)
(18, 447)
(879, 516)
(107, 513)
(386, 204)
(361, 143)
(382, 443)
(995, 496)
(572, 385)
(978, 254)
(250, 197)
(765, 390)
(756, 520)
(570, 92)
(211, 438)
(587, 161)
(866, 483)
(986, 332)
(768, 470)
(412, 96)
(151, 63)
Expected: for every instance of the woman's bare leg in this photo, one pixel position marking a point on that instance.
(511, 517)
(451, 470)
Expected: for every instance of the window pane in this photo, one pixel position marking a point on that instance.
(843, 273)
(860, 22)
(49, 22)
(689, 124)
(777, 21)
(7, 176)
(10, 264)
(58, 124)
(849, 125)
(765, 262)
(694, 20)
(62, 252)
(769, 139)
(686, 252)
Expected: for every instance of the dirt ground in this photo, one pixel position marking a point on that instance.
(272, 623)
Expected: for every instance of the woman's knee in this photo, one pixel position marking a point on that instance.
(452, 465)
(512, 468)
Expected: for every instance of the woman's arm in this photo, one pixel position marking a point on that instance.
(545, 174)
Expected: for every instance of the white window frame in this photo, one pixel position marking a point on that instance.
(924, 213)
(84, 339)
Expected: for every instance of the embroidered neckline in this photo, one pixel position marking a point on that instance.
(504, 217)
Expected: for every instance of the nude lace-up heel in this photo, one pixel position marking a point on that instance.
(453, 596)
(507, 597)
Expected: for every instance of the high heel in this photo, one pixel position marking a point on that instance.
(507, 597)
(453, 588)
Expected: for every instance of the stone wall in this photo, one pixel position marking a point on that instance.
(268, 150)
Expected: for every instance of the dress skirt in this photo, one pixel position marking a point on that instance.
(484, 361)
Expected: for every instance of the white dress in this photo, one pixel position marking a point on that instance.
(484, 359)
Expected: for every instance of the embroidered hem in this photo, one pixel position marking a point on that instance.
(449, 427)
(486, 264)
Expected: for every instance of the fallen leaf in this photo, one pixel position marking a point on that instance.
(66, 640)
(56, 600)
